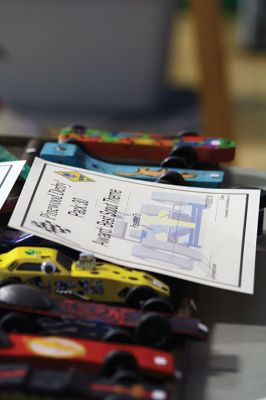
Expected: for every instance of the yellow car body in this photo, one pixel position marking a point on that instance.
(57, 274)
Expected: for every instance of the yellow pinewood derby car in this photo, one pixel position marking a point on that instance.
(87, 278)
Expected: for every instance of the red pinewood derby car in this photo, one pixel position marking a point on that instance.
(72, 382)
(27, 309)
(87, 355)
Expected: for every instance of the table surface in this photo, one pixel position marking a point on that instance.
(231, 365)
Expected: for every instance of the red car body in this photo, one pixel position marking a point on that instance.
(87, 355)
(75, 383)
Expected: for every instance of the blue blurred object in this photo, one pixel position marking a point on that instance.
(251, 28)
(71, 154)
(85, 54)
(10, 238)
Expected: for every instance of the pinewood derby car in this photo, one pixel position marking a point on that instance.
(171, 169)
(152, 147)
(87, 355)
(10, 238)
(72, 382)
(27, 309)
(57, 274)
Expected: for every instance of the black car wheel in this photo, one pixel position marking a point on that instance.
(174, 162)
(126, 377)
(25, 296)
(115, 397)
(18, 322)
(80, 129)
(154, 330)
(187, 133)
(119, 360)
(138, 295)
(118, 336)
(158, 304)
(187, 154)
(172, 178)
(9, 281)
(4, 340)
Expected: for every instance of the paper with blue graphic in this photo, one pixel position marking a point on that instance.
(201, 235)
(9, 172)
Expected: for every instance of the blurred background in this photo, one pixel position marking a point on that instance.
(158, 65)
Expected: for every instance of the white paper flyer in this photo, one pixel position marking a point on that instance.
(201, 235)
(9, 172)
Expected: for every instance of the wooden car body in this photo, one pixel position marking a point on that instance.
(88, 319)
(87, 355)
(26, 379)
(71, 154)
(58, 274)
(152, 147)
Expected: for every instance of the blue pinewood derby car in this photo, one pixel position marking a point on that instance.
(71, 154)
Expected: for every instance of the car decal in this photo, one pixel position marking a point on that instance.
(75, 176)
(55, 347)
(80, 288)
